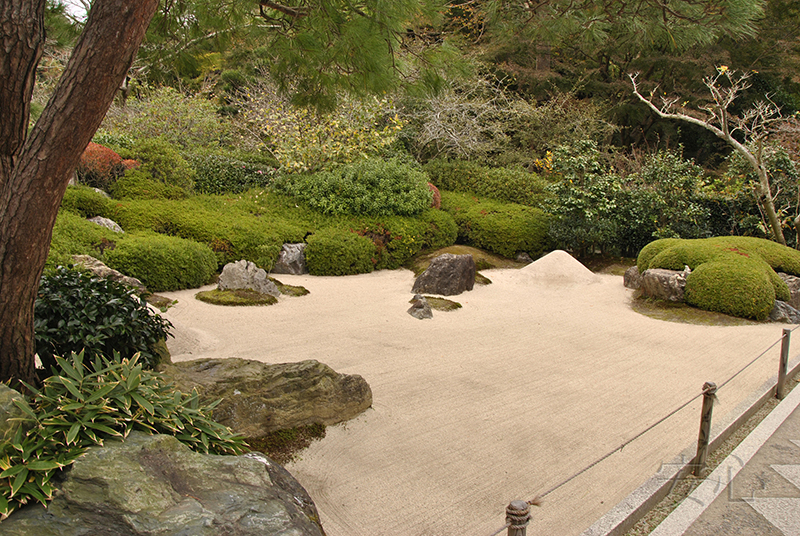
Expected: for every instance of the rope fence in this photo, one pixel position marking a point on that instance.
(518, 512)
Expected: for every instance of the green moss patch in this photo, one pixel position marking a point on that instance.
(235, 297)
(289, 290)
(283, 445)
(441, 304)
(685, 314)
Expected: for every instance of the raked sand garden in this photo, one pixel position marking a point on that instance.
(537, 376)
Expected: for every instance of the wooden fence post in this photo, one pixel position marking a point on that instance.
(780, 389)
(709, 391)
(518, 515)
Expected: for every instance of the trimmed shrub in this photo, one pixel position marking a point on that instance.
(512, 185)
(651, 250)
(85, 201)
(137, 184)
(371, 187)
(99, 166)
(76, 312)
(502, 228)
(163, 162)
(74, 235)
(163, 262)
(711, 287)
(397, 238)
(338, 252)
(220, 174)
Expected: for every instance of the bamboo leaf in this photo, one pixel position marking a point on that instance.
(143, 403)
(73, 433)
(42, 465)
(22, 476)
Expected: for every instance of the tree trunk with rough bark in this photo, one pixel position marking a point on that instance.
(35, 168)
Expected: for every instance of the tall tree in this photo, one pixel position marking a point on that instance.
(319, 47)
(35, 166)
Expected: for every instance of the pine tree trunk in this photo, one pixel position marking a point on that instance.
(35, 169)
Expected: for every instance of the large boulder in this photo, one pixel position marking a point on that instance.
(9, 413)
(258, 398)
(99, 269)
(107, 223)
(632, 278)
(785, 313)
(155, 485)
(244, 274)
(668, 285)
(291, 260)
(793, 282)
(447, 275)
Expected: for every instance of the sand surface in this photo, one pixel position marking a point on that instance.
(537, 376)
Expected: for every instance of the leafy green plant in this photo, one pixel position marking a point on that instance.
(371, 187)
(338, 252)
(187, 122)
(75, 312)
(163, 262)
(80, 406)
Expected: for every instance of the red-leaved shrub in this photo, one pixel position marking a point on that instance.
(437, 197)
(99, 166)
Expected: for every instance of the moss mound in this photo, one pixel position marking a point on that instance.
(239, 296)
(731, 275)
(710, 287)
(441, 304)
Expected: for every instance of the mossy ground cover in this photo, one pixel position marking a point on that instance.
(237, 297)
(284, 445)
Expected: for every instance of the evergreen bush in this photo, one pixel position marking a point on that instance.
(502, 228)
(334, 251)
(162, 262)
(76, 312)
(221, 174)
(740, 289)
(161, 160)
(752, 262)
(371, 187)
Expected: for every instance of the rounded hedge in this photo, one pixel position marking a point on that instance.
(86, 202)
(162, 262)
(739, 289)
(338, 252)
(502, 228)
